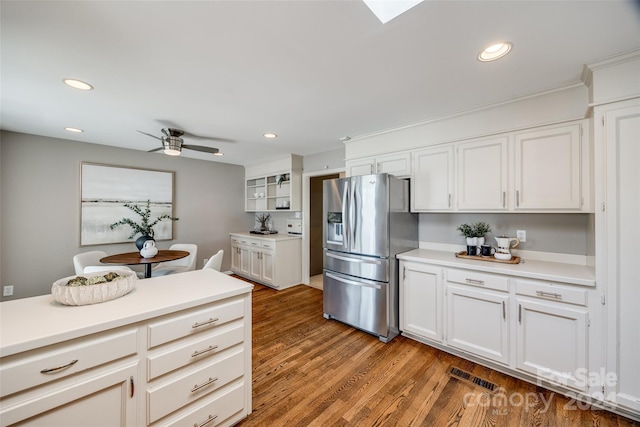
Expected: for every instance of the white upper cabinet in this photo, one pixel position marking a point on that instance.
(397, 164)
(548, 169)
(274, 186)
(482, 167)
(432, 183)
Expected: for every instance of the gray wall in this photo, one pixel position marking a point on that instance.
(40, 206)
(546, 232)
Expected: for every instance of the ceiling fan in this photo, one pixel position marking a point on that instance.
(172, 142)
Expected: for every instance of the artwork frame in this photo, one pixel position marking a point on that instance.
(105, 188)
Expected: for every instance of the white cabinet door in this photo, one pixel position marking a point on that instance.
(236, 257)
(255, 271)
(266, 258)
(432, 179)
(548, 169)
(621, 220)
(477, 322)
(482, 174)
(361, 166)
(551, 342)
(245, 260)
(104, 399)
(398, 165)
(421, 300)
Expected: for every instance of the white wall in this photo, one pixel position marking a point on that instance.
(40, 206)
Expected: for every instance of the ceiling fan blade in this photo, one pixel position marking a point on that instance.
(205, 138)
(155, 149)
(201, 148)
(152, 136)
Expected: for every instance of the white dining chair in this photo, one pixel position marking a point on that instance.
(85, 259)
(181, 265)
(215, 262)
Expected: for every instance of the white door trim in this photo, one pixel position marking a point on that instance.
(306, 184)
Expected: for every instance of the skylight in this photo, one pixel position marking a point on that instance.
(386, 10)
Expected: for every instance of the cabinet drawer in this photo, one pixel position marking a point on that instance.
(193, 385)
(209, 344)
(194, 322)
(25, 370)
(482, 280)
(269, 245)
(551, 291)
(217, 408)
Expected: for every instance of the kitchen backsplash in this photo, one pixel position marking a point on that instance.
(546, 232)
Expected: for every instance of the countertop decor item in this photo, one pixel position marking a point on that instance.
(93, 288)
(263, 219)
(145, 226)
(149, 249)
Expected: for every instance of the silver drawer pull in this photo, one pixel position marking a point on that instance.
(549, 294)
(206, 322)
(205, 422)
(59, 368)
(474, 281)
(208, 382)
(199, 352)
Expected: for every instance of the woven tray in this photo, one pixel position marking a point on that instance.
(513, 260)
(93, 294)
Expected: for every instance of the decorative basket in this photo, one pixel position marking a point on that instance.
(93, 294)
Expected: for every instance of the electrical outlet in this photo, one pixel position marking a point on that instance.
(7, 291)
(521, 235)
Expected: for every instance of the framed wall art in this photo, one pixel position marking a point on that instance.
(105, 189)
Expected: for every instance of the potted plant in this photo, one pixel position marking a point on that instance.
(469, 233)
(144, 227)
(480, 229)
(263, 219)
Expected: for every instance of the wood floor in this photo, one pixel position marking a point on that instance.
(308, 371)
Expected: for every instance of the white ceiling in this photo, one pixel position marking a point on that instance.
(310, 71)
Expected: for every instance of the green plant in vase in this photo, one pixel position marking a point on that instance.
(480, 230)
(145, 226)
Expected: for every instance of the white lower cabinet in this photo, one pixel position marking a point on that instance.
(477, 322)
(191, 365)
(272, 261)
(552, 342)
(421, 296)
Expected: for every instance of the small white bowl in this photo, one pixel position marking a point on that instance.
(93, 294)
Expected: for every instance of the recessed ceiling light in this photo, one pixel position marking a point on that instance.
(270, 135)
(495, 51)
(73, 130)
(78, 84)
(218, 154)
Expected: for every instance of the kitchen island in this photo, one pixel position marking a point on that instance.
(175, 350)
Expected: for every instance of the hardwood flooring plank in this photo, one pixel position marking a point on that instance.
(309, 371)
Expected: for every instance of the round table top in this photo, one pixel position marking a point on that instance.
(134, 258)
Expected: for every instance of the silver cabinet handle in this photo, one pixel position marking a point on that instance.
(206, 322)
(205, 422)
(517, 198)
(504, 310)
(206, 350)
(549, 294)
(474, 281)
(59, 368)
(449, 199)
(378, 168)
(204, 384)
(519, 313)
(504, 199)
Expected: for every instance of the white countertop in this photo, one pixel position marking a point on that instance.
(30, 323)
(543, 270)
(279, 236)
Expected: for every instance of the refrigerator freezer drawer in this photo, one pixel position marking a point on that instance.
(357, 302)
(371, 268)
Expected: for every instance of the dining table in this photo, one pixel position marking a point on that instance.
(134, 258)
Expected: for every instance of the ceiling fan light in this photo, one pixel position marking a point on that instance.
(172, 145)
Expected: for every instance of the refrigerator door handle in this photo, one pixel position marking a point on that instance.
(352, 282)
(350, 259)
(345, 223)
(352, 212)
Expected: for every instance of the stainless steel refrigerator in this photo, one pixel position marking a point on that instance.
(366, 223)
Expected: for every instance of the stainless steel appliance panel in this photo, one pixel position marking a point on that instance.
(368, 219)
(357, 302)
(371, 268)
(334, 212)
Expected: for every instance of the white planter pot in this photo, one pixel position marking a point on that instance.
(472, 241)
